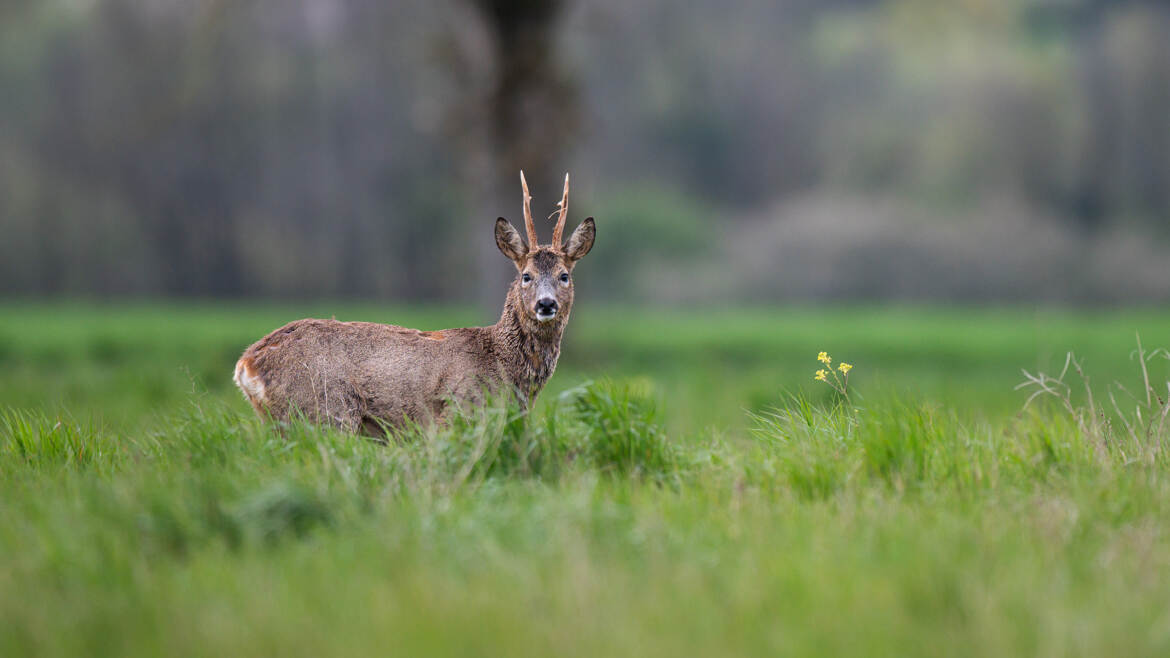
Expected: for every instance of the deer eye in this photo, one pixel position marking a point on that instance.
(526, 278)
(564, 277)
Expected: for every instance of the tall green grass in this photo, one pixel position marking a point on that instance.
(555, 533)
(599, 524)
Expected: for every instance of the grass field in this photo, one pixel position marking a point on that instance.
(683, 488)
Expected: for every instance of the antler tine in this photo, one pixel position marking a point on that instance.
(563, 213)
(529, 225)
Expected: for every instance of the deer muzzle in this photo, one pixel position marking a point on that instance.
(546, 308)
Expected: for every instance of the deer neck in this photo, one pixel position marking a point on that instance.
(528, 350)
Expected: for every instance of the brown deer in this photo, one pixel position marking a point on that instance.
(363, 377)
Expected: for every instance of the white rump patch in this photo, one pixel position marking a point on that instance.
(249, 383)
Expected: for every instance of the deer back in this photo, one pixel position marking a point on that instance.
(355, 373)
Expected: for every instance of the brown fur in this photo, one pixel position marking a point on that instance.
(361, 375)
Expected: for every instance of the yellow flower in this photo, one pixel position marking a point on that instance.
(822, 375)
(845, 368)
(824, 358)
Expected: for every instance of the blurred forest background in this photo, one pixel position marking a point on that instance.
(759, 150)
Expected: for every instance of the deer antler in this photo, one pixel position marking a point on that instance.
(563, 213)
(529, 225)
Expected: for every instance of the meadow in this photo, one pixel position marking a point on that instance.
(684, 487)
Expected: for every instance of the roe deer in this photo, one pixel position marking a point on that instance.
(362, 376)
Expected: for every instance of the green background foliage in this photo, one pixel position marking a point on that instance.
(1019, 148)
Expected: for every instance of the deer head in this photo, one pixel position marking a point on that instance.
(542, 292)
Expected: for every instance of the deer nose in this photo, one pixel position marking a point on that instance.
(546, 306)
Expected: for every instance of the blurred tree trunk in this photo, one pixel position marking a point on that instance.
(1124, 68)
(529, 120)
(1090, 200)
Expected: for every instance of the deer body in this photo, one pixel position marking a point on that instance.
(362, 376)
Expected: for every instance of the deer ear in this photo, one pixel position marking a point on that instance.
(509, 242)
(581, 241)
